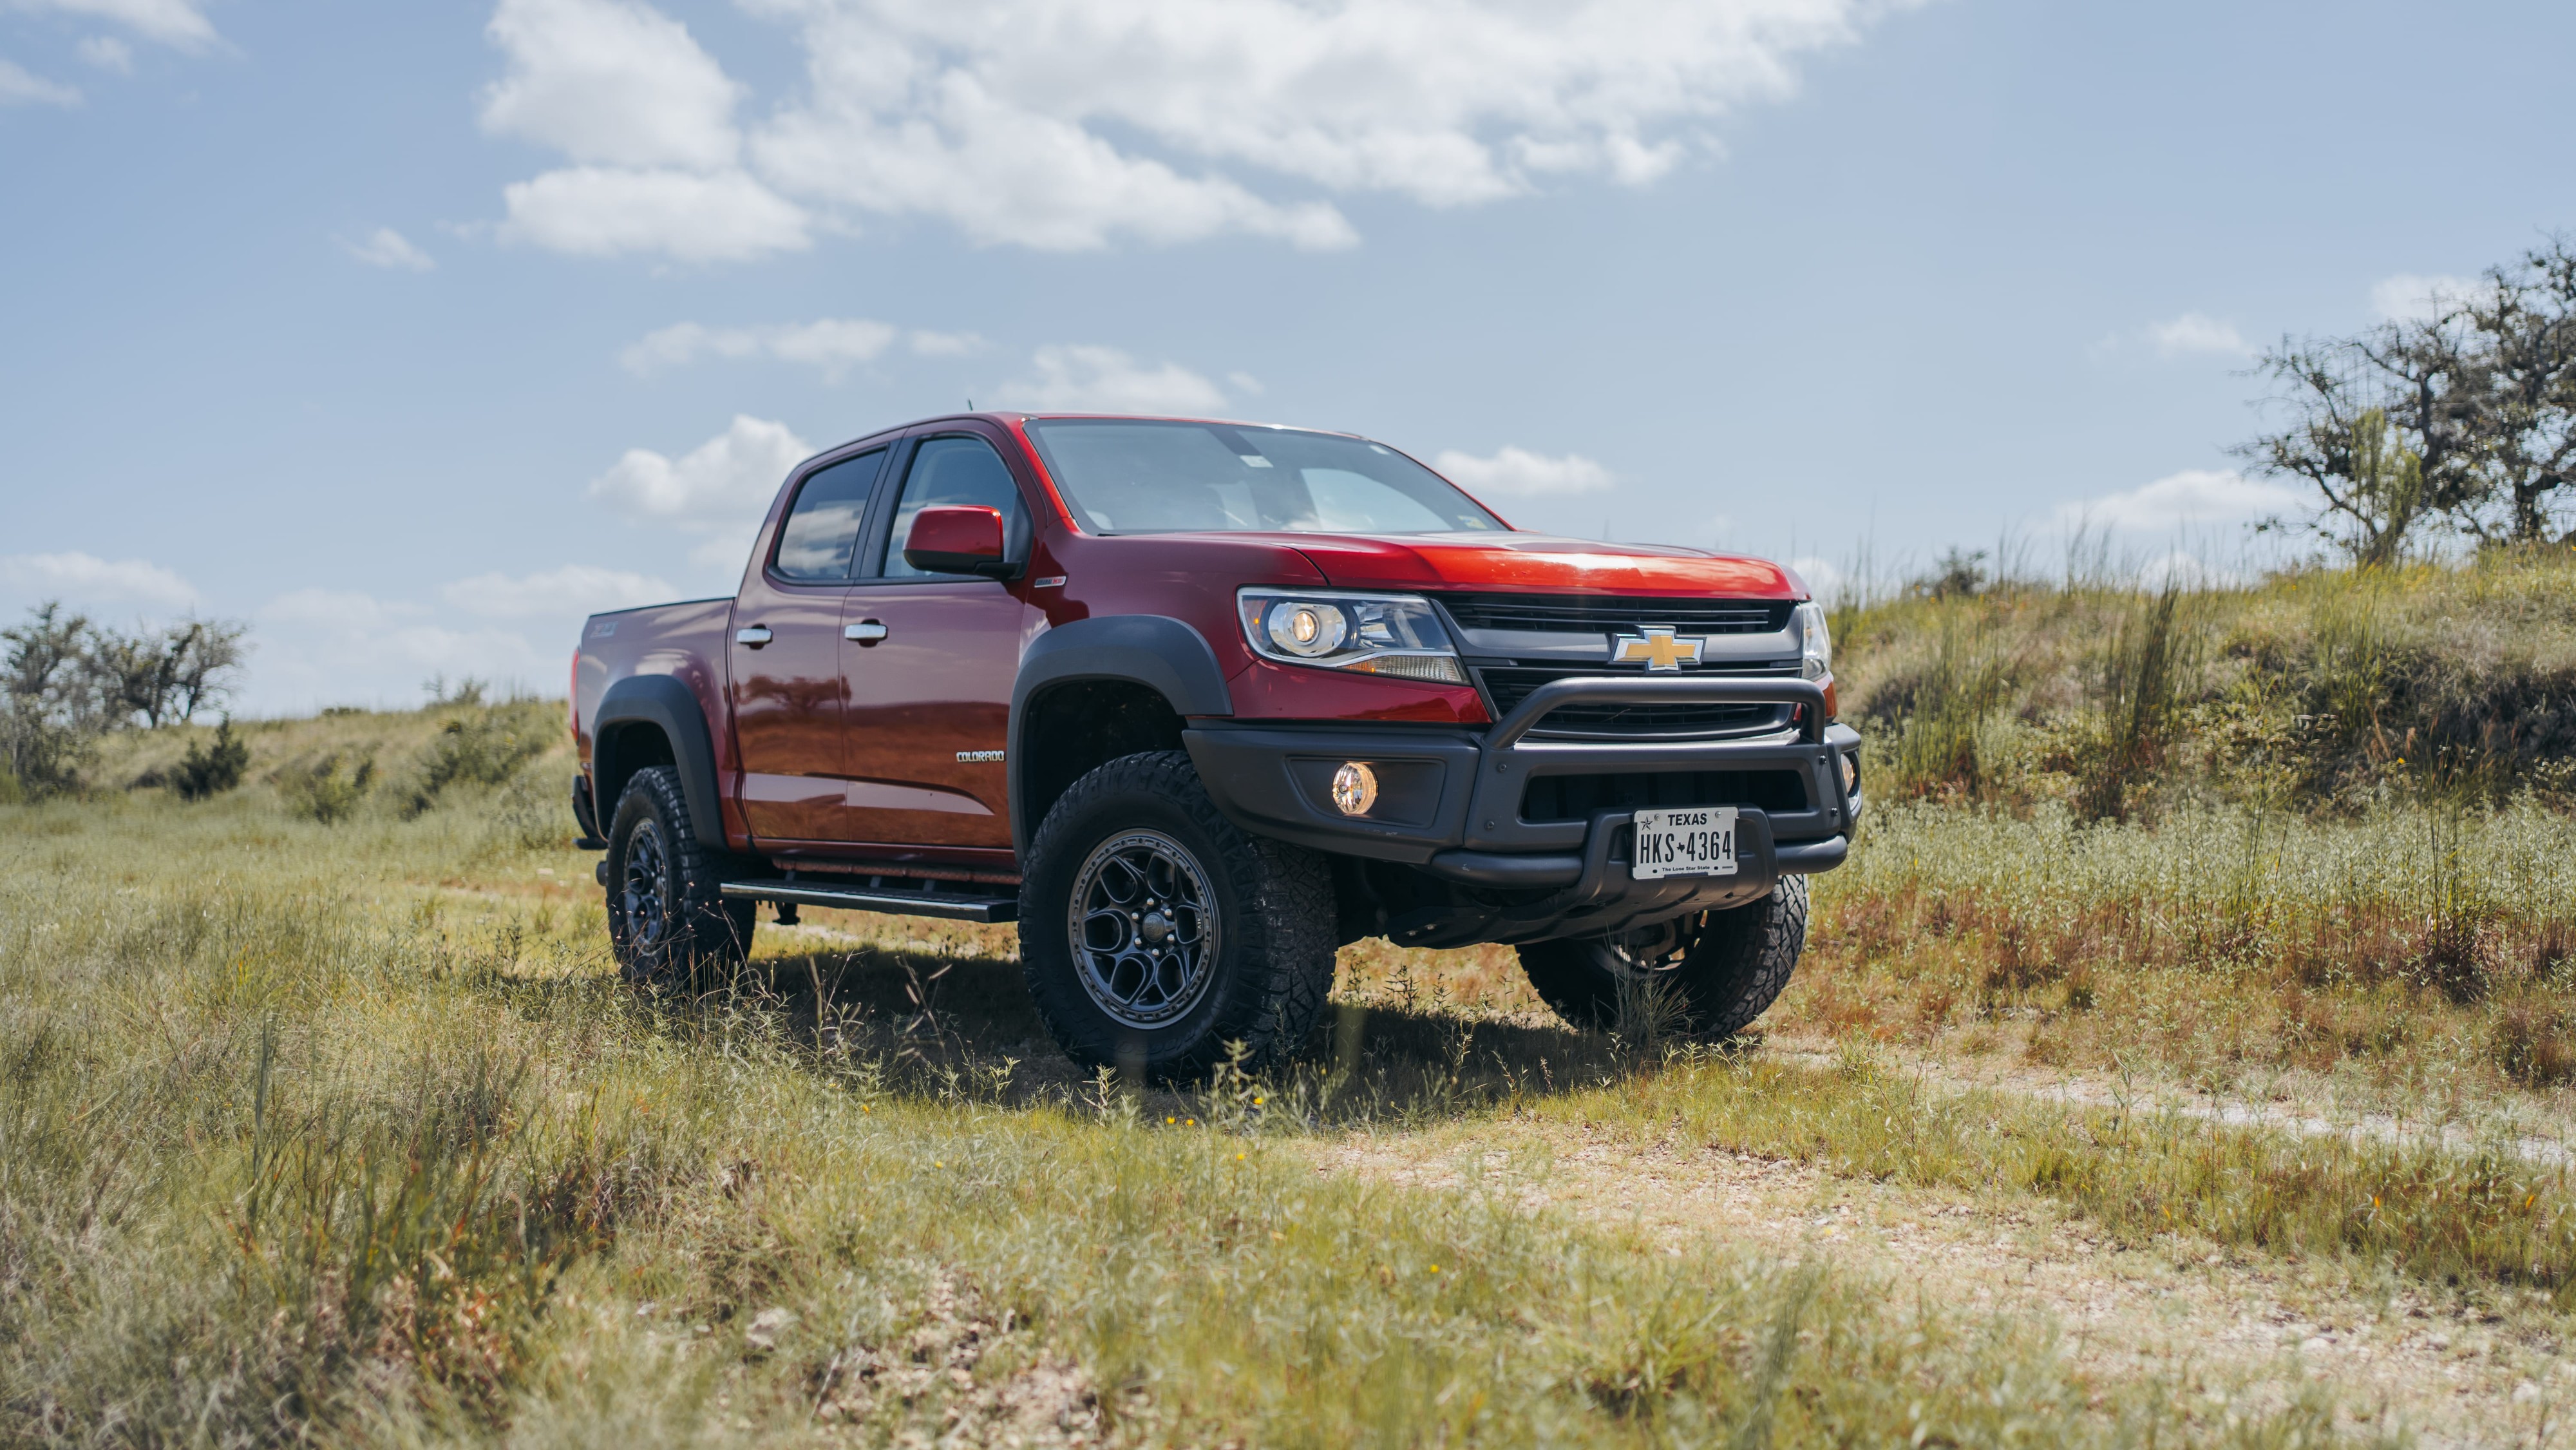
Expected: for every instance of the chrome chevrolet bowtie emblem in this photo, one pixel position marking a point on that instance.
(1655, 648)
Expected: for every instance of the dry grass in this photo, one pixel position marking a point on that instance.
(343, 1132)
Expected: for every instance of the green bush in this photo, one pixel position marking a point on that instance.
(481, 747)
(210, 770)
(327, 790)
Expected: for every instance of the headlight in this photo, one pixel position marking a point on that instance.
(1377, 634)
(1816, 654)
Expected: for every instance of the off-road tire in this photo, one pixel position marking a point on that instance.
(666, 923)
(1272, 964)
(1722, 970)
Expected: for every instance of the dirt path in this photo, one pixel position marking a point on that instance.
(2241, 1328)
(2536, 1129)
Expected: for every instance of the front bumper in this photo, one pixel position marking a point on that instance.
(1457, 804)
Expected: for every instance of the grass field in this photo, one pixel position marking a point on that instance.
(2227, 1108)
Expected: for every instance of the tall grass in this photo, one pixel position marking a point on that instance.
(2226, 939)
(347, 1133)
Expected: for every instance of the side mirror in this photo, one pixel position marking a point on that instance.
(957, 539)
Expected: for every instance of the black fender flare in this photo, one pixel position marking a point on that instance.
(1161, 653)
(669, 706)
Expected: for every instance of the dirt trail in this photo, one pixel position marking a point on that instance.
(2208, 1324)
(2535, 1130)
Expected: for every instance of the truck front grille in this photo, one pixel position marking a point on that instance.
(1509, 683)
(1576, 797)
(1610, 614)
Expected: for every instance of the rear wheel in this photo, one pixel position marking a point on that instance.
(1153, 933)
(1708, 975)
(666, 921)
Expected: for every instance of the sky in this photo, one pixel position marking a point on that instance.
(409, 334)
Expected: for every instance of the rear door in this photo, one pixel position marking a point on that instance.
(787, 687)
(930, 660)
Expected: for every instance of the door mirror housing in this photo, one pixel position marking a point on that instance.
(958, 539)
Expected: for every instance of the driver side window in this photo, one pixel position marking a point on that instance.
(957, 469)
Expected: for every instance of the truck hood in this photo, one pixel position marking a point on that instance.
(1540, 563)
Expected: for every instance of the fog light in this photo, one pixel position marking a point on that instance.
(1851, 774)
(1354, 788)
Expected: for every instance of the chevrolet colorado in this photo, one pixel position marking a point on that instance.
(1196, 703)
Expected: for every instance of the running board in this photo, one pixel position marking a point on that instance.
(958, 907)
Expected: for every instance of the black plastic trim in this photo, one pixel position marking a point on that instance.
(1251, 772)
(1810, 856)
(584, 816)
(666, 704)
(1163, 654)
(1493, 868)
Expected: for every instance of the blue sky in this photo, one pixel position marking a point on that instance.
(410, 333)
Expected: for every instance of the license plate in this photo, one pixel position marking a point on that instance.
(1695, 842)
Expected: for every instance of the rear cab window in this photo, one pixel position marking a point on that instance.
(820, 538)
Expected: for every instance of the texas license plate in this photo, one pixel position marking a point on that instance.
(1695, 842)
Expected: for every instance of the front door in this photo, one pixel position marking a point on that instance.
(788, 705)
(930, 660)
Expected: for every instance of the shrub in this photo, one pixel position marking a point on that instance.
(210, 771)
(531, 812)
(477, 748)
(329, 789)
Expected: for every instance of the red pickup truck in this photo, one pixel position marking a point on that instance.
(1196, 703)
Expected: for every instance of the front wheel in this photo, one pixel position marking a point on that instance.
(1154, 933)
(1715, 972)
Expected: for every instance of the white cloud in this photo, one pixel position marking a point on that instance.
(19, 87)
(610, 83)
(574, 589)
(1105, 380)
(1519, 473)
(2409, 297)
(178, 23)
(625, 93)
(107, 53)
(598, 211)
(832, 344)
(946, 344)
(87, 579)
(1069, 124)
(2178, 500)
(390, 250)
(2195, 332)
(722, 481)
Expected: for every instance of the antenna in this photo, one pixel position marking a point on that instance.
(970, 405)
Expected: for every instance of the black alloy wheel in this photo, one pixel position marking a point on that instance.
(1145, 927)
(1154, 934)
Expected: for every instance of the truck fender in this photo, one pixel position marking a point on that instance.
(1163, 654)
(667, 705)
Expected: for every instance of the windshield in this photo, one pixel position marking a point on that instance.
(1130, 476)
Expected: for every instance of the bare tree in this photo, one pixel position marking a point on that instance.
(169, 674)
(2524, 399)
(2372, 486)
(209, 667)
(2465, 418)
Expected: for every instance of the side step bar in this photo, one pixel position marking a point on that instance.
(957, 907)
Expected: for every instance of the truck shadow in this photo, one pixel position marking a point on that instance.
(962, 1026)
